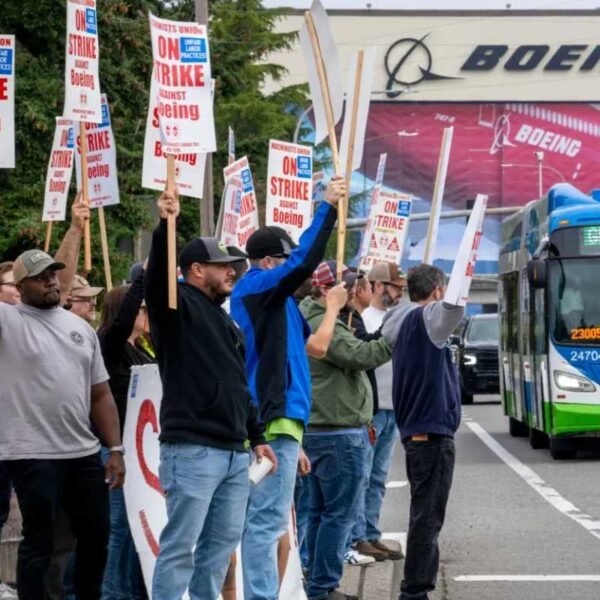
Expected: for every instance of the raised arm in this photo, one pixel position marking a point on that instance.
(318, 343)
(348, 352)
(68, 253)
(441, 320)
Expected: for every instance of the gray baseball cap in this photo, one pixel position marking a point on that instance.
(32, 262)
(206, 250)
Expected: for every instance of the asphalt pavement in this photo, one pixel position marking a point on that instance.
(519, 525)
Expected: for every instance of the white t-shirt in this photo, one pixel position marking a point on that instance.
(49, 359)
(373, 318)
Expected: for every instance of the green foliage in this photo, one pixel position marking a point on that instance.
(241, 37)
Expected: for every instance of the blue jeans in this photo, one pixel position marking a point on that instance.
(206, 494)
(301, 504)
(267, 519)
(339, 470)
(123, 576)
(380, 457)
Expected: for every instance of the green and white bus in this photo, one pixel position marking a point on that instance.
(549, 305)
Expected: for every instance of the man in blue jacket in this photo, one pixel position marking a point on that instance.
(426, 397)
(262, 304)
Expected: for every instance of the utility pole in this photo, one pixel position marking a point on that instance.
(207, 209)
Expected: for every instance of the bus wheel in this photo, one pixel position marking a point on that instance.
(516, 428)
(562, 449)
(538, 439)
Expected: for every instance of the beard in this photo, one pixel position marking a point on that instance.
(388, 301)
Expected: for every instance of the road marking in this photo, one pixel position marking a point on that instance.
(532, 479)
(390, 485)
(527, 578)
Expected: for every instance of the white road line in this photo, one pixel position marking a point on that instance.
(527, 578)
(390, 485)
(536, 482)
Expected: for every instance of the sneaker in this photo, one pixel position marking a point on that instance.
(368, 549)
(392, 554)
(7, 593)
(352, 557)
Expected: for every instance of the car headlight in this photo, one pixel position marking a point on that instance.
(469, 360)
(573, 383)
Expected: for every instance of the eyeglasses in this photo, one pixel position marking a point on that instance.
(401, 288)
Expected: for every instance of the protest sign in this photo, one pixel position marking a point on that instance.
(144, 499)
(459, 285)
(189, 166)
(7, 101)
(240, 218)
(289, 187)
(364, 246)
(102, 181)
(389, 229)
(438, 195)
(60, 170)
(183, 92)
(82, 83)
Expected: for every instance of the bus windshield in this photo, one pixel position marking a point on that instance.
(575, 301)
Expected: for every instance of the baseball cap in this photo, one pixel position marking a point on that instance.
(207, 250)
(351, 276)
(32, 262)
(269, 241)
(135, 271)
(325, 274)
(386, 272)
(81, 287)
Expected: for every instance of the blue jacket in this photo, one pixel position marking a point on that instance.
(263, 306)
(425, 389)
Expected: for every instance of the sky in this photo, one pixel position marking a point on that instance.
(442, 4)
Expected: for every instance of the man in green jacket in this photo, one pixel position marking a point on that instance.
(337, 439)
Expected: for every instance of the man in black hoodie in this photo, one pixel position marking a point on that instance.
(206, 415)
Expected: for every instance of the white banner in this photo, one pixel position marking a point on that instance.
(146, 510)
(183, 95)
(7, 101)
(189, 167)
(289, 187)
(331, 63)
(82, 82)
(103, 183)
(241, 209)
(464, 265)
(60, 170)
(389, 229)
(364, 246)
(362, 114)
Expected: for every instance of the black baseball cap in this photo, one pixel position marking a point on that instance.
(270, 241)
(205, 250)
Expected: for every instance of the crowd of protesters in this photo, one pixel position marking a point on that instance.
(267, 358)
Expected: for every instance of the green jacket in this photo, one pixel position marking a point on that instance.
(341, 392)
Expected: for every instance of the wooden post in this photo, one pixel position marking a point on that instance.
(171, 236)
(105, 254)
(85, 198)
(48, 236)
(438, 195)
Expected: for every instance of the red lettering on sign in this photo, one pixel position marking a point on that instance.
(289, 166)
(3, 88)
(168, 47)
(147, 416)
(148, 533)
(80, 20)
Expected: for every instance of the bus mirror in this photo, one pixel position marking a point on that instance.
(536, 273)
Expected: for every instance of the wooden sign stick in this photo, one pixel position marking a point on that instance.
(171, 236)
(48, 236)
(85, 198)
(105, 254)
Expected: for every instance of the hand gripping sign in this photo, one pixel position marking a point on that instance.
(240, 219)
(289, 187)
(459, 285)
(183, 93)
(60, 170)
(144, 499)
(7, 101)
(103, 184)
(82, 82)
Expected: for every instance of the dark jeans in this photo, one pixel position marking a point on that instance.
(339, 472)
(43, 488)
(429, 467)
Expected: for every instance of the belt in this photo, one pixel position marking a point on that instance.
(425, 437)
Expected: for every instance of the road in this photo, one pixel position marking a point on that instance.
(519, 525)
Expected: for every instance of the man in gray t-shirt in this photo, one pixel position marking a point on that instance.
(53, 380)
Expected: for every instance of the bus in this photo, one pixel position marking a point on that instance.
(549, 305)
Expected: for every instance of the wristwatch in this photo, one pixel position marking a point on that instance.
(119, 449)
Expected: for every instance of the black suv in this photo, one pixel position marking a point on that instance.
(477, 356)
